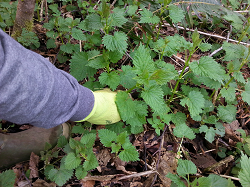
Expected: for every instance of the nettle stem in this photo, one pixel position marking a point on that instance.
(179, 79)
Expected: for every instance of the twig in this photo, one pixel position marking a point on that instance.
(134, 175)
(229, 177)
(212, 35)
(222, 162)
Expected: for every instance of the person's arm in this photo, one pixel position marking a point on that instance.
(33, 91)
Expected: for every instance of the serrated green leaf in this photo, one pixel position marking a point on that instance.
(235, 20)
(60, 176)
(244, 174)
(80, 172)
(205, 47)
(62, 141)
(132, 9)
(234, 51)
(127, 76)
(78, 67)
(210, 82)
(178, 118)
(153, 96)
(129, 153)
(195, 102)
(209, 68)
(117, 17)
(116, 127)
(246, 94)
(217, 180)
(148, 17)
(239, 77)
(121, 138)
(7, 178)
(96, 60)
(88, 140)
(115, 148)
(183, 130)
(78, 34)
(209, 133)
(175, 13)
(91, 23)
(111, 79)
(204, 182)
(72, 161)
(107, 137)
(228, 93)
(176, 179)
(50, 43)
(186, 167)
(227, 113)
(117, 42)
(126, 106)
(91, 162)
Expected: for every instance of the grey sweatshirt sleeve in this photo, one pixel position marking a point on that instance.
(34, 91)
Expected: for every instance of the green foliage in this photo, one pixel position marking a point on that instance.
(119, 144)
(124, 48)
(186, 168)
(244, 174)
(7, 178)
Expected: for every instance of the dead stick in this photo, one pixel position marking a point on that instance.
(222, 162)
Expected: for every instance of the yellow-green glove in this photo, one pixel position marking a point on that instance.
(104, 111)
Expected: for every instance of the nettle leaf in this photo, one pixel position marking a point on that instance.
(246, 94)
(195, 102)
(142, 60)
(107, 137)
(72, 161)
(132, 9)
(125, 105)
(176, 179)
(88, 139)
(228, 93)
(183, 130)
(209, 68)
(178, 118)
(78, 67)
(210, 82)
(117, 17)
(60, 176)
(122, 137)
(50, 43)
(78, 34)
(91, 23)
(175, 13)
(91, 162)
(153, 96)
(218, 180)
(80, 172)
(205, 47)
(67, 48)
(7, 178)
(239, 77)
(148, 17)
(111, 79)
(129, 153)
(227, 113)
(210, 132)
(127, 76)
(236, 21)
(96, 60)
(186, 167)
(244, 174)
(117, 42)
(234, 51)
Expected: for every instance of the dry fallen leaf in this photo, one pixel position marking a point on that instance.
(34, 160)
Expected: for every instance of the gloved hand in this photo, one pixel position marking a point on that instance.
(104, 111)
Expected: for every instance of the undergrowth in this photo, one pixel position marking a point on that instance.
(105, 50)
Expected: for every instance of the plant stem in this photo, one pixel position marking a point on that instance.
(180, 77)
